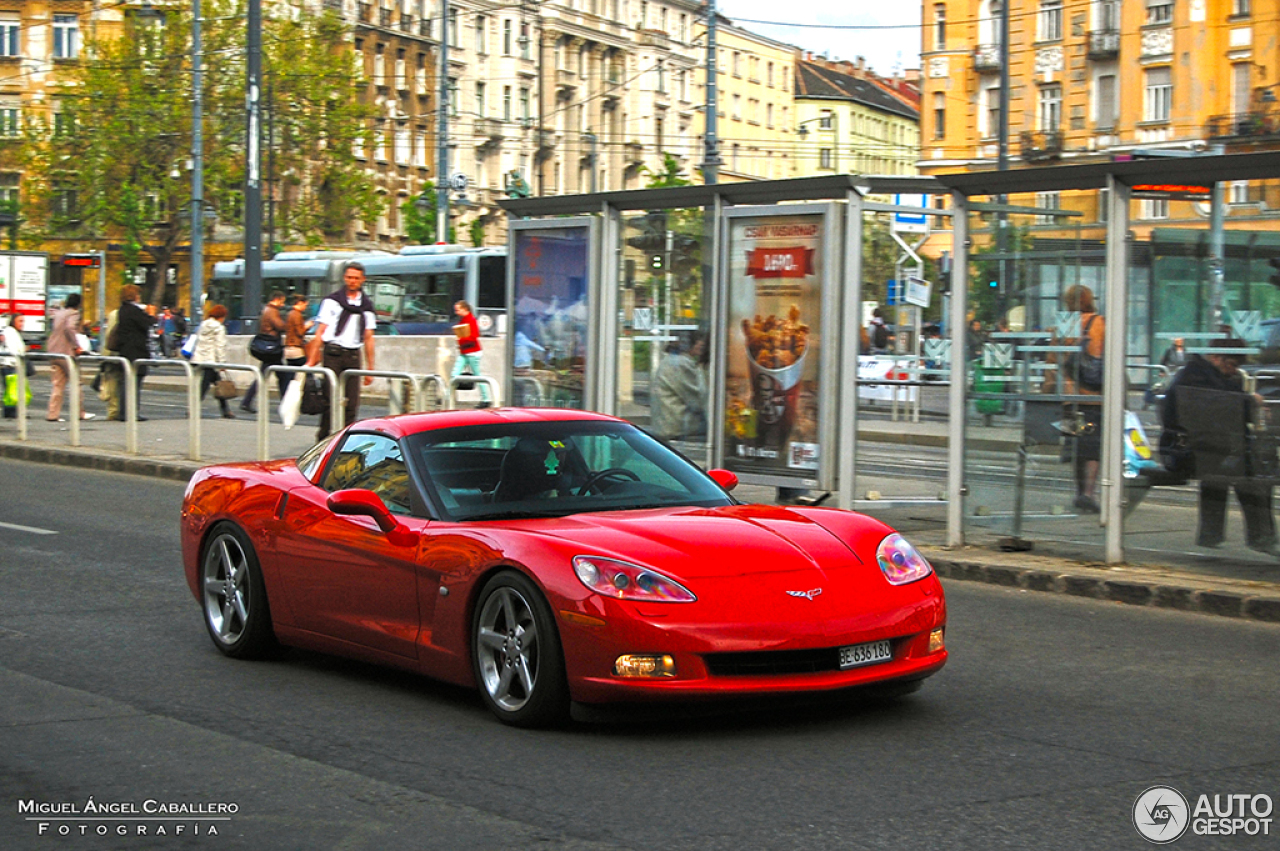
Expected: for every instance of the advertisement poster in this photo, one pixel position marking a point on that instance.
(22, 287)
(773, 342)
(550, 305)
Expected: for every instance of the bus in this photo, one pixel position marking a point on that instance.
(413, 292)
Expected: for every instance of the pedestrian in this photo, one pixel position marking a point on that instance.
(296, 326)
(975, 338)
(680, 392)
(211, 347)
(133, 334)
(270, 324)
(879, 332)
(164, 329)
(110, 375)
(11, 345)
(467, 330)
(344, 324)
(1175, 357)
(1221, 372)
(179, 328)
(1086, 411)
(63, 340)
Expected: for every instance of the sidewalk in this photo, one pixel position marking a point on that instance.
(1217, 586)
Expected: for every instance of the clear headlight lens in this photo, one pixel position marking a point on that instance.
(900, 562)
(625, 581)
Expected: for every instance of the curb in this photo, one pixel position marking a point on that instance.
(1133, 592)
(97, 460)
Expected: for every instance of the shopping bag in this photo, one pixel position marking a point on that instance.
(11, 390)
(465, 385)
(315, 395)
(225, 388)
(291, 402)
(189, 346)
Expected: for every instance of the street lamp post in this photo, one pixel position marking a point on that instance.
(253, 166)
(442, 132)
(197, 165)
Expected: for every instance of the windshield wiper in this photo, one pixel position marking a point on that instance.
(515, 515)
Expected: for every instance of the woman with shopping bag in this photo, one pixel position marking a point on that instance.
(211, 347)
(11, 346)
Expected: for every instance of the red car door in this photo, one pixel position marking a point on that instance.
(345, 577)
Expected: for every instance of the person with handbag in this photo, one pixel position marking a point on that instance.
(344, 326)
(211, 347)
(11, 345)
(267, 347)
(134, 324)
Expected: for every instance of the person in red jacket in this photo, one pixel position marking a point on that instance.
(468, 333)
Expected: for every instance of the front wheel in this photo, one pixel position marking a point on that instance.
(233, 596)
(516, 653)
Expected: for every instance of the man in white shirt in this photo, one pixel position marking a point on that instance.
(345, 322)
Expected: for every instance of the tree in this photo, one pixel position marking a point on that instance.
(109, 160)
(670, 175)
(419, 216)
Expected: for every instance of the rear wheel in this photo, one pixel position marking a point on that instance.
(233, 596)
(516, 652)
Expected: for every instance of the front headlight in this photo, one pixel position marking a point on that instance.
(625, 581)
(900, 562)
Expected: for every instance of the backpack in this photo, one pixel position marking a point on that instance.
(880, 337)
(1087, 368)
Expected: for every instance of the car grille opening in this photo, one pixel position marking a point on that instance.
(773, 662)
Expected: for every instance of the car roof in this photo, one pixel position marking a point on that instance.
(407, 424)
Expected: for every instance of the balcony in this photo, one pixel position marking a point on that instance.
(566, 82)
(489, 131)
(1243, 125)
(986, 58)
(1104, 44)
(634, 152)
(1042, 146)
(546, 144)
(653, 38)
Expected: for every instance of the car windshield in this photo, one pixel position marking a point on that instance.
(510, 471)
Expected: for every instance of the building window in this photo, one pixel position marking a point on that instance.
(66, 36)
(1050, 20)
(1106, 102)
(1048, 201)
(768, 114)
(1240, 87)
(453, 96)
(992, 113)
(9, 181)
(1238, 192)
(482, 25)
(526, 42)
(826, 158)
(506, 103)
(1157, 95)
(453, 28)
(1050, 108)
(524, 104)
(379, 67)
(939, 27)
(402, 77)
(1240, 8)
(939, 115)
(480, 110)
(1159, 11)
(65, 202)
(508, 36)
(9, 30)
(404, 145)
(737, 64)
(1153, 208)
(10, 118)
(1108, 15)
(827, 121)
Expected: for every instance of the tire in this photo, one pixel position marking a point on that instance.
(516, 654)
(233, 597)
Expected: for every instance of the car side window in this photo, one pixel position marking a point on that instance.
(309, 461)
(372, 462)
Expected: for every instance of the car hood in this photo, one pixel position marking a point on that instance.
(699, 543)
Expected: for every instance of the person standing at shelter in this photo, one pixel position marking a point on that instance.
(344, 324)
(271, 323)
(1088, 410)
(468, 333)
(211, 347)
(63, 341)
(1222, 372)
(680, 393)
(133, 336)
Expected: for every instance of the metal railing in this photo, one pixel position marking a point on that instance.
(264, 407)
(131, 397)
(408, 378)
(193, 400)
(471, 379)
(75, 402)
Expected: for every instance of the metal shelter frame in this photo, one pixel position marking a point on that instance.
(1117, 177)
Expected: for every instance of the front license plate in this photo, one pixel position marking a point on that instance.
(857, 655)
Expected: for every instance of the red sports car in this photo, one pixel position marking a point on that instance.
(550, 556)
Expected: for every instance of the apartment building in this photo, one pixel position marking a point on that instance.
(756, 105)
(850, 122)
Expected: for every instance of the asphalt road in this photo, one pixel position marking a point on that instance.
(1052, 716)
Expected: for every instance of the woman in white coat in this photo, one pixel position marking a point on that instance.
(211, 347)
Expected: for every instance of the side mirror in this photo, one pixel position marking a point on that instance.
(724, 478)
(363, 502)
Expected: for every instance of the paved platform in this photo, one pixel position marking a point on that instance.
(1219, 585)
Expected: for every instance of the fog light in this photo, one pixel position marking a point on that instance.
(644, 666)
(935, 640)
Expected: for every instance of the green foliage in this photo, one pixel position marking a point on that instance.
(111, 158)
(476, 232)
(420, 224)
(669, 176)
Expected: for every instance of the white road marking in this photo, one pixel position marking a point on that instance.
(32, 529)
